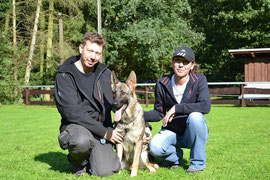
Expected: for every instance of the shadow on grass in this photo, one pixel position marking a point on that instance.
(57, 160)
(237, 105)
(157, 160)
(258, 105)
(185, 164)
(225, 105)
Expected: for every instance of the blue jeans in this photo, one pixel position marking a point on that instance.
(167, 144)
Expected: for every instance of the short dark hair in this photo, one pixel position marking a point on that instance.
(94, 37)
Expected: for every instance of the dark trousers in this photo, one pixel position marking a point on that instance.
(84, 149)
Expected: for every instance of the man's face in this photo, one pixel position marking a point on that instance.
(181, 66)
(91, 53)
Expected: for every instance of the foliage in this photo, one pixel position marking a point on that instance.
(7, 82)
(238, 146)
(6, 77)
(229, 25)
(142, 35)
(4, 7)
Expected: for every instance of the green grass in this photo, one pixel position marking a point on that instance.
(238, 146)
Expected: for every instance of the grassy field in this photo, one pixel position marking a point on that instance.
(238, 146)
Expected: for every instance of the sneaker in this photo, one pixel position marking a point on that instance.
(175, 166)
(79, 171)
(168, 164)
(193, 170)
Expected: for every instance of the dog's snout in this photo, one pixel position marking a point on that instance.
(114, 103)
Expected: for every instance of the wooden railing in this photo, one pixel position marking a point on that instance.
(39, 92)
(221, 93)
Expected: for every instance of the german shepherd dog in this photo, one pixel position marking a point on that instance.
(132, 152)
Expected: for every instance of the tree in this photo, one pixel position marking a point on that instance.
(7, 19)
(49, 62)
(7, 84)
(142, 35)
(11, 52)
(5, 7)
(29, 63)
(42, 42)
(15, 73)
(229, 25)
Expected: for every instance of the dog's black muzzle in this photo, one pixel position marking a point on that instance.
(116, 105)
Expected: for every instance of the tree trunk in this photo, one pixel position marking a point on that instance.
(7, 19)
(50, 36)
(42, 42)
(14, 23)
(15, 73)
(49, 43)
(61, 41)
(29, 62)
(99, 19)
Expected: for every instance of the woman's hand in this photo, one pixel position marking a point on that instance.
(147, 135)
(169, 116)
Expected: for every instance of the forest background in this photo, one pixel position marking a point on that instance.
(141, 36)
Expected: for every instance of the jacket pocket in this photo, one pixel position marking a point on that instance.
(64, 139)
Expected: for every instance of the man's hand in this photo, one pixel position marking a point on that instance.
(147, 135)
(113, 136)
(169, 116)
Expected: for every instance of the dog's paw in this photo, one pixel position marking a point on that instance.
(156, 166)
(133, 173)
(152, 170)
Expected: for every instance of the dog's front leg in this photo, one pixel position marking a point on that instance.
(136, 158)
(119, 149)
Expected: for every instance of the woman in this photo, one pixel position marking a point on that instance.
(181, 99)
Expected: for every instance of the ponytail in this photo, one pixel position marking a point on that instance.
(196, 68)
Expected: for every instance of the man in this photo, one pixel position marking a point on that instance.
(83, 97)
(181, 100)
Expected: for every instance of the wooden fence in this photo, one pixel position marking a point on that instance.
(221, 93)
(240, 93)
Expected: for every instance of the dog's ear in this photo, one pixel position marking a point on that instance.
(114, 80)
(132, 80)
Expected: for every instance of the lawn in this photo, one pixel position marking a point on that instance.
(238, 146)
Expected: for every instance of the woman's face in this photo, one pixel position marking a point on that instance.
(181, 66)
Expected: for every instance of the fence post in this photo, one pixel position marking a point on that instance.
(146, 96)
(47, 97)
(242, 91)
(26, 96)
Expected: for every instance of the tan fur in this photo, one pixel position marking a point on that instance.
(131, 152)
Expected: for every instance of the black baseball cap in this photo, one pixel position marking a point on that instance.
(185, 52)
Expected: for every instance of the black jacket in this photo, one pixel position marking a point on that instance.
(196, 98)
(75, 106)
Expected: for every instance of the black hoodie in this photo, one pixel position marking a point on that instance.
(196, 98)
(75, 106)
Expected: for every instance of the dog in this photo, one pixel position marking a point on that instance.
(132, 152)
